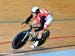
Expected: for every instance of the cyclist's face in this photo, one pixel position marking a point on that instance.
(34, 14)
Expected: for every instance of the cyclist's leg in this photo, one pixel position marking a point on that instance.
(37, 40)
(33, 33)
(34, 23)
(48, 22)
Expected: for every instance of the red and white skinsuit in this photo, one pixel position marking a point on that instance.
(46, 16)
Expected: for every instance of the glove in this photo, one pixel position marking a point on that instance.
(23, 24)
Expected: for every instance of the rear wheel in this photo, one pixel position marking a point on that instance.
(45, 35)
(17, 42)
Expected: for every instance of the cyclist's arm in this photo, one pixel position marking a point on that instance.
(28, 19)
(42, 21)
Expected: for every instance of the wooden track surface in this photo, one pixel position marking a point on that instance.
(62, 34)
(13, 12)
(19, 10)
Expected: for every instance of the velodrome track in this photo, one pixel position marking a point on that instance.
(54, 43)
(13, 12)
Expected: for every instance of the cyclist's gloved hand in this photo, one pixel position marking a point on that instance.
(24, 24)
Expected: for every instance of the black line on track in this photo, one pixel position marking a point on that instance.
(41, 49)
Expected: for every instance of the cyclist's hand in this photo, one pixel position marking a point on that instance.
(23, 24)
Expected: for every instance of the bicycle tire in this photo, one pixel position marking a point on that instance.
(17, 43)
(45, 35)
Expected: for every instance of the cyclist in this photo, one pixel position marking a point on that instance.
(41, 16)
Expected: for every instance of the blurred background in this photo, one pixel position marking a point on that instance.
(13, 12)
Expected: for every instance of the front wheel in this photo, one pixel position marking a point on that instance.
(20, 40)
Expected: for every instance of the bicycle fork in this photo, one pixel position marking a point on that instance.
(25, 36)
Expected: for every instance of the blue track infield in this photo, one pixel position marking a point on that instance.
(59, 53)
